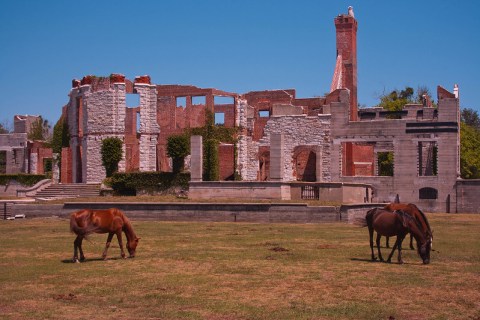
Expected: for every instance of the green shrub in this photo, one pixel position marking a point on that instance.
(27, 180)
(130, 183)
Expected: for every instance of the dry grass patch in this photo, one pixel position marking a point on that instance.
(237, 271)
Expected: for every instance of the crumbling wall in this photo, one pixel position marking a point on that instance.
(298, 130)
(98, 110)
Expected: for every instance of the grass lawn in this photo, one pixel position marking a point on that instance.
(237, 271)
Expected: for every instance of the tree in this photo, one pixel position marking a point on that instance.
(40, 130)
(178, 147)
(111, 154)
(61, 136)
(4, 128)
(469, 144)
(469, 152)
(470, 117)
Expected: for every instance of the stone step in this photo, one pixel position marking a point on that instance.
(70, 190)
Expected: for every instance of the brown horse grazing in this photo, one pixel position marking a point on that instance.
(415, 213)
(397, 223)
(111, 221)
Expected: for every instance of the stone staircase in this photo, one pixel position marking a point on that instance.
(68, 190)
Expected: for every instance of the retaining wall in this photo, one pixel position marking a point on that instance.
(278, 213)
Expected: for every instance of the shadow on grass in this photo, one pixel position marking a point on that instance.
(385, 261)
(92, 260)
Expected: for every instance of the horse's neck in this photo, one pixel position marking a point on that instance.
(424, 220)
(417, 232)
(129, 233)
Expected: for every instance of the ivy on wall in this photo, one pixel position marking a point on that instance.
(212, 136)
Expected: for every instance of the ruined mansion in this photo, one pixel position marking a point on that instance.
(281, 138)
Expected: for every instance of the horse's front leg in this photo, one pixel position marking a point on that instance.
(393, 250)
(379, 236)
(387, 243)
(370, 233)
(120, 243)
(107, 245)
(411, 242)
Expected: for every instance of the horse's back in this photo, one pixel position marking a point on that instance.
(387, 223)
(99, 221)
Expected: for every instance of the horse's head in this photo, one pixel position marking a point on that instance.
(424, 250)
(132, 246)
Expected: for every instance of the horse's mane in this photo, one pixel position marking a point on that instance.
(423, 217)
(127, 226)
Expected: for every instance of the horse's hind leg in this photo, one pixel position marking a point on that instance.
(107, 245)
(411, 242)
(387, 242)
(370, 233)
(77, 246)
(379, 236)
(400, 260)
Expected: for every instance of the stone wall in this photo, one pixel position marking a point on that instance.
(299, 130)
(406, 135)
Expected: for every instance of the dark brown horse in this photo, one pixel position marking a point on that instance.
(415, 213)
(397, 223)
(111, 221)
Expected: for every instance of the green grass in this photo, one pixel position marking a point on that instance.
(237, 271)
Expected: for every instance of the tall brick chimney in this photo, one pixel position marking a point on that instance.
(346, 27)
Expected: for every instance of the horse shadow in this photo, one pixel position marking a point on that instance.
(91, 260)
(378, 261)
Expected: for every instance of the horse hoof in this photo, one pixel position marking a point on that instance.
(400, 262)
(389, 261)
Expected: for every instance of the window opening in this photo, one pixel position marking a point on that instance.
(138, 122)
(3, 162)
(132, 100)
(219, 118)
(385, 163)
(199, 100)
(182, 102)
(428, 193)
(427, 158)
(223, 100)
(264, 114)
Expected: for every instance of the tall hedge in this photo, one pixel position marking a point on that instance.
(111, 154)
(27, 180)
(130, 183)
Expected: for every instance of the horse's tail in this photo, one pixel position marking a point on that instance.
(75, 228)
(361, 219)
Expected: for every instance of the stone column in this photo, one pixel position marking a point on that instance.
(196, 149)
(276, 157)
(318, 164)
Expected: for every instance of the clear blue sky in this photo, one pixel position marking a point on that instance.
(235, 46)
